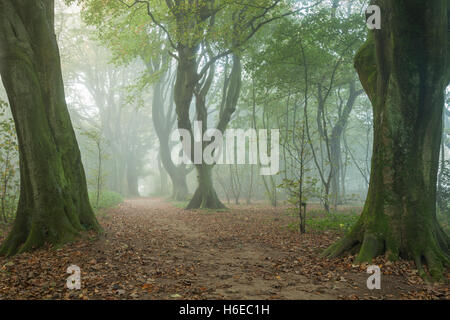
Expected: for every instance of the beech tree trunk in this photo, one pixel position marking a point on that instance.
(163, 122)
(335, 152)
(54, 205)
(180, 190)
(132, 176)
(177, 174)
(163, 178)
(335, 145)
(404, 69)
(205, 197)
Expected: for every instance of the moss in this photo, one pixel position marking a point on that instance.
(53, 206)
(366, 67)
(399, 217)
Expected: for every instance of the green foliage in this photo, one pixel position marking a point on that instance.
(310, 189)
(180, 204)
(108, 199)
(96, 176)
(319, 221)
(9, 165)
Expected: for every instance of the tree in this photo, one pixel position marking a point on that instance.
(164, 118)
(444, 189)
(404, 69)
(54, 205)
(192, 30)
(441, 200)
(94, 135)
(313, 55)
(337, 132)
(9, 162)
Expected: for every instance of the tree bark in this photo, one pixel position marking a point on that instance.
(186, 86)
(177, 174)
(54, 205)
(163, 123)
(335, 144)
(132, 176)
(163, 178)
(205, 197)
(404, 69)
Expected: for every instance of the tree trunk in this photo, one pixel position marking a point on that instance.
(163, 127)
(180, 190)
(163, 178)
(185, 88)
(205, 197)
(335, 144)
(404, 69)
(440, 202)
(54, 205)
(250, 188)
(335, 152)
(132, 176)
(177, 174)
(99, 174)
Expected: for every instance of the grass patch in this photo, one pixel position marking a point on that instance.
(320, 221)
(179, 204)
(108, 199)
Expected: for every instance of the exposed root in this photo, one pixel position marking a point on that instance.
(29, 234)
(368, 247)
(205, 200)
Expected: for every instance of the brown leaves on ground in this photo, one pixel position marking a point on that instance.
(153, 250)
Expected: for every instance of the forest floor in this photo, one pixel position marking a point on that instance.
(154, 250)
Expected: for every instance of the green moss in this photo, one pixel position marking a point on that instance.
(365, 64)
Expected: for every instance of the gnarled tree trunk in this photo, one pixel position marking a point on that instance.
(54, 205)
(163, 122)
(404, 69)
(205, 197)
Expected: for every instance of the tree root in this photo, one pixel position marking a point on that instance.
(28, 234)
(205, 200)
(368, 246)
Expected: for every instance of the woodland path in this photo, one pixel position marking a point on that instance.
(154, 250)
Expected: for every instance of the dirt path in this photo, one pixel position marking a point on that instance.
(226, 266)
(153, 250)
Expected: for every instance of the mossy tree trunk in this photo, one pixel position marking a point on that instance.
(54, 205)
(404, 69)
